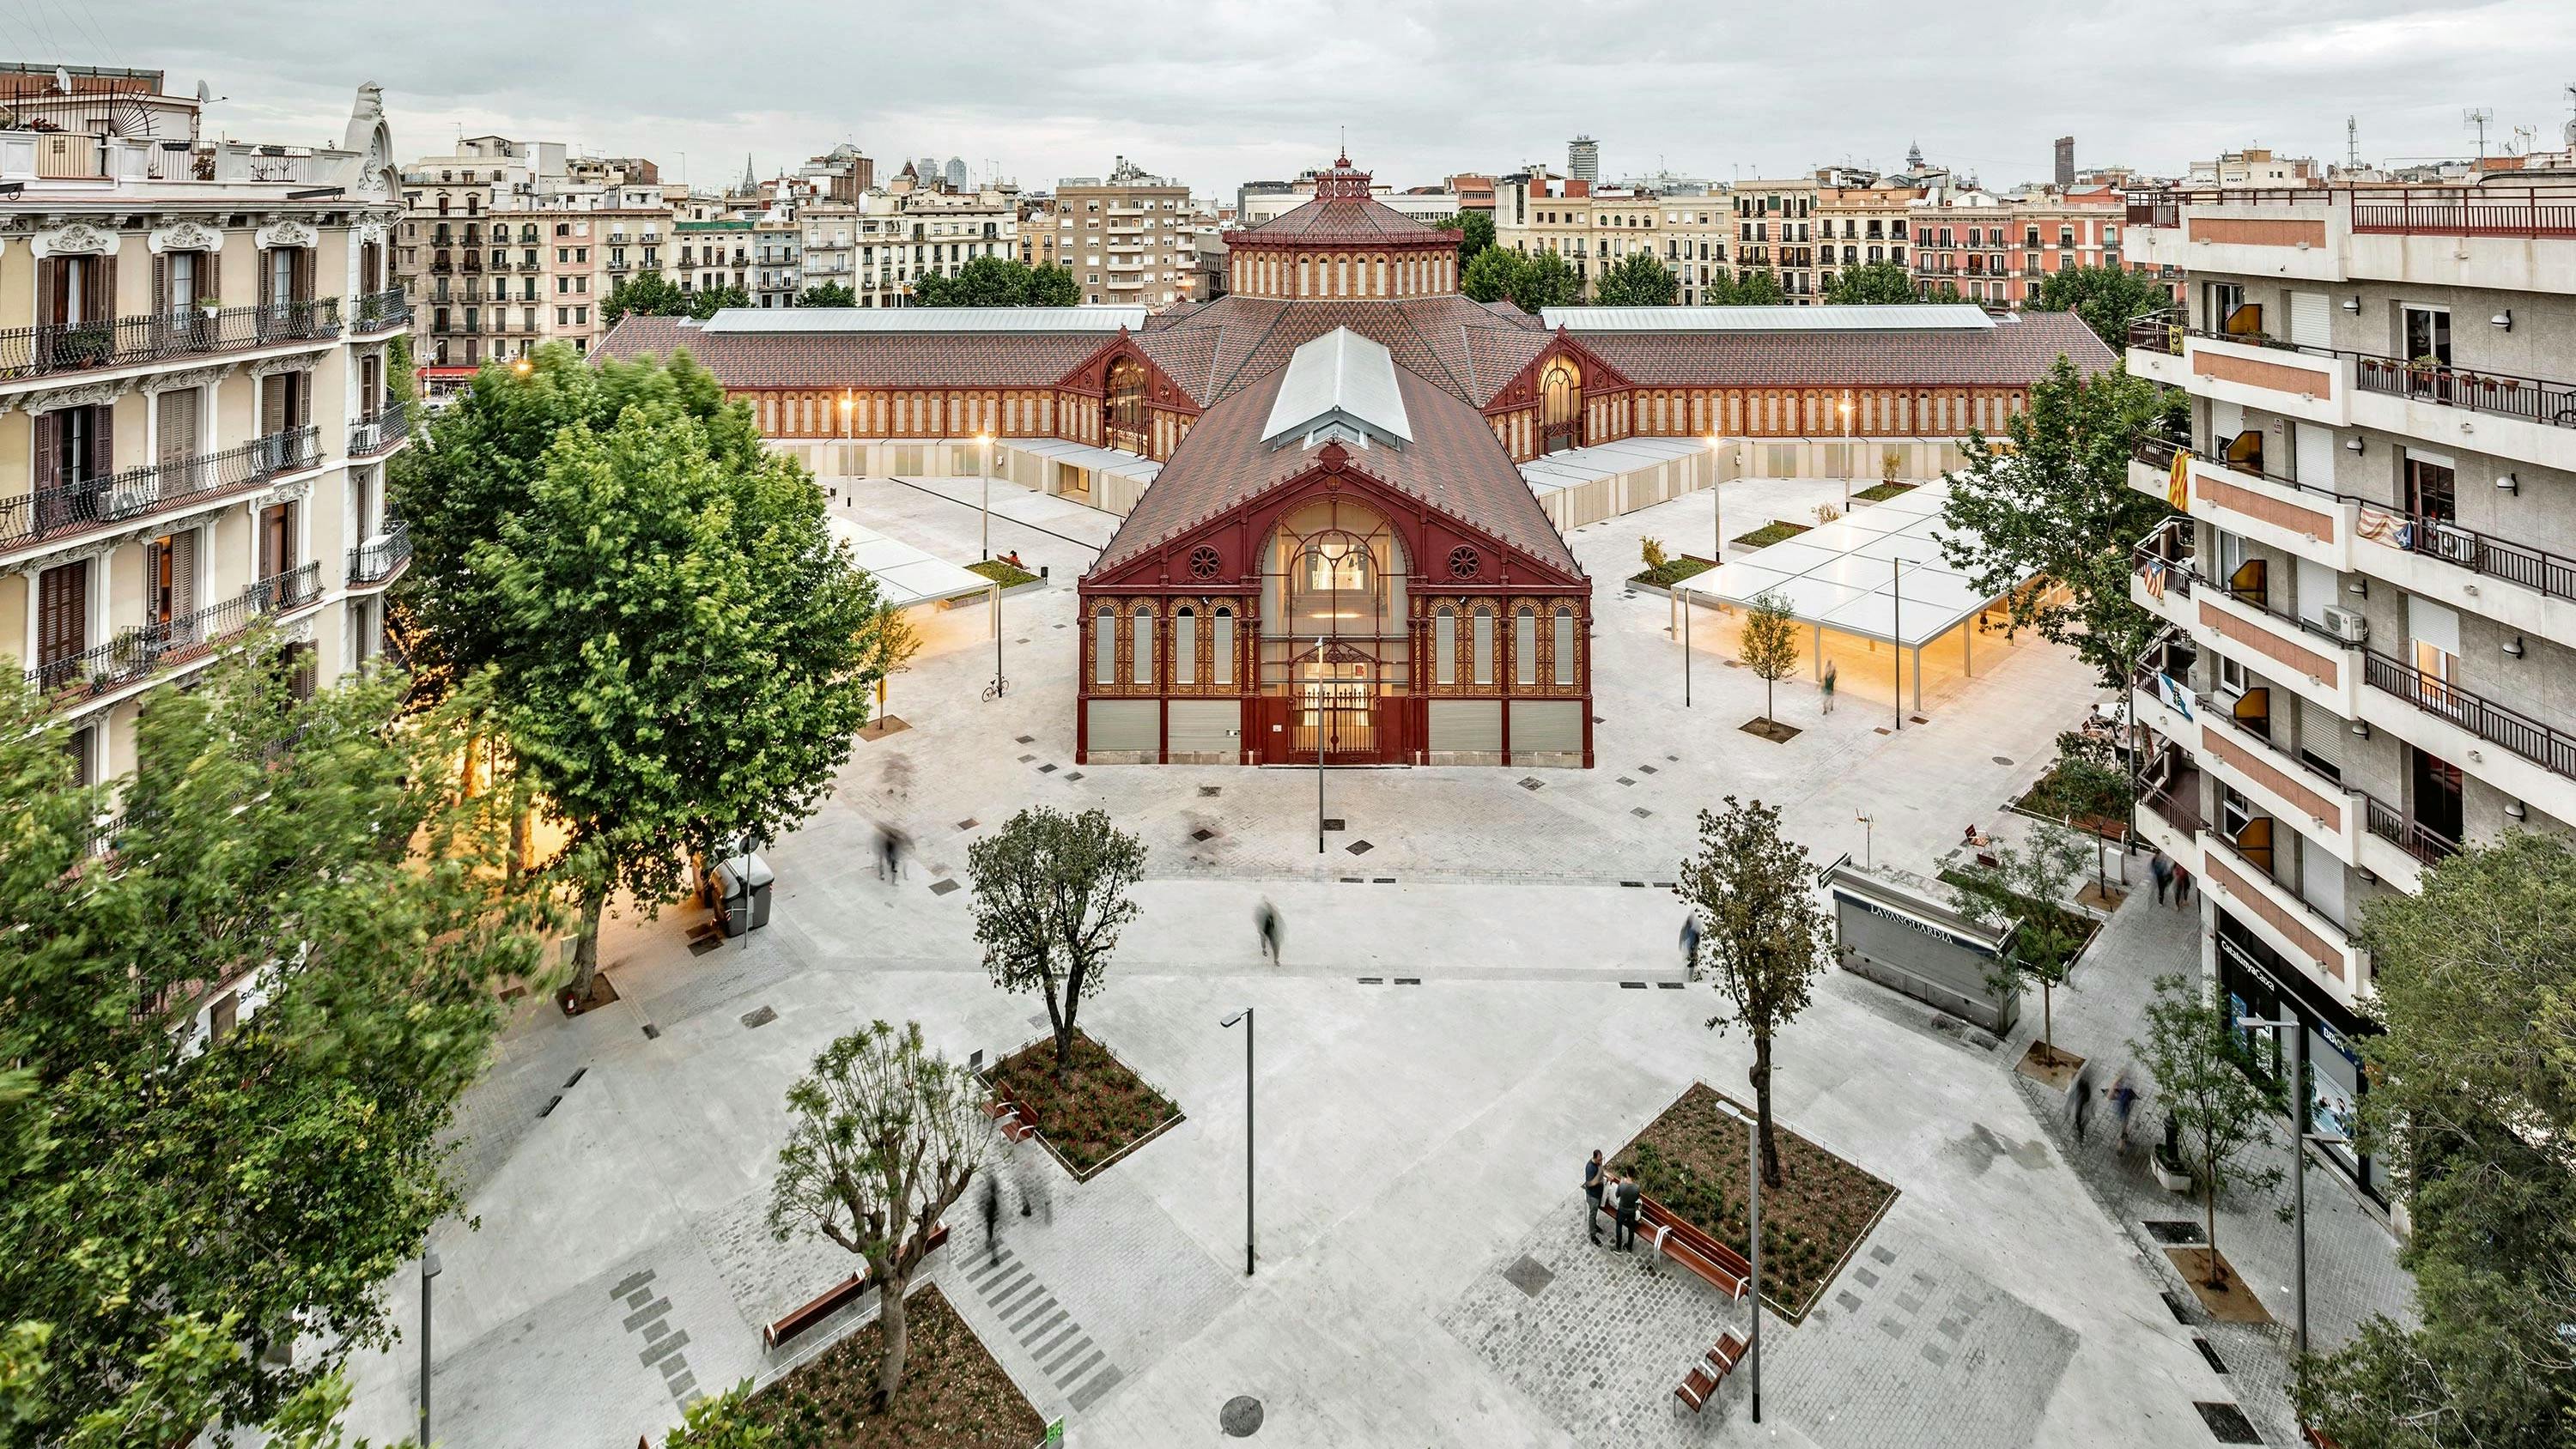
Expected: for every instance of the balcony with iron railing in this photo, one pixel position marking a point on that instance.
(137, 654)
(380, 558)
(2545, 745)
(382, 430)
(61, 348)
(2544, 401)
(382, 311)
(56, 512)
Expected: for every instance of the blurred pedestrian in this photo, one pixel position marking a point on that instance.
(1826, 686)
(2161, 866)
(992, 1217)
(2181, 885)
(1690, 946)
(1265, 925)
(2124, 1100)
(2083, 1100)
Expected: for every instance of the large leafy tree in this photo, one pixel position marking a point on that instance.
(1546, 280)
(1638, 280)
(646, 294)
(828, 294)
(885, 1135)
(708, 301)
(2472, 1107)
(2107, 298)
(1757, 289)
(2052, 503)
(233, 1046)
(1762, 936)
(1871, 284)
(1050, 900)
(2211, 1091)
(1490, 277)
(1475, 233)
(997, 282)
(681, 649)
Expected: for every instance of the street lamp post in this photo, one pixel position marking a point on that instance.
(429, 1269)
(2298, 1157)
(1716, 507)
(1245, 1016)
(1753, 1215)
(1847, 463)
(1321, 680)
(984, 450)
(1896, 637)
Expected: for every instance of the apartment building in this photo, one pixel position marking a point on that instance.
(1775, 232)
(1858, 225)
(455, 255)
(1121, 236)
(195, 407)
(1595, 227)
(2000, 250)
(2256, 166)
(715, 253)
(2369, 657)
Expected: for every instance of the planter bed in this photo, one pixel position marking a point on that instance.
(1694, 1158)
(1880, 493)
(1002, 572)
(953, 1393)
(1106, 1113)
(1672, 572)
(1778, 530)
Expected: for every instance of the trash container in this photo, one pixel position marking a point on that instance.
(735, 915)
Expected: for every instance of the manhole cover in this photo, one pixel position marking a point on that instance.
(1529, 1275)
(1241, 1416)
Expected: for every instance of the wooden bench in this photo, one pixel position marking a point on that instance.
(1017, 1120)
(832, 1300)
(1722, 1266)
(1709, 1372)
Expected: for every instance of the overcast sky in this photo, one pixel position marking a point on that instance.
(1216, 92)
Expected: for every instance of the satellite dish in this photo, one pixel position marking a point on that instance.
(204, 93)
(63, 80)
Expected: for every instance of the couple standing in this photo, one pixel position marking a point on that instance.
(1623, 1194)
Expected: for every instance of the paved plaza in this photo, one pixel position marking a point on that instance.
(1480, 984)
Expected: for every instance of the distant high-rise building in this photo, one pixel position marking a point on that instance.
(956, 174)
(2065, 162)
(1583, 159)
(928, 169)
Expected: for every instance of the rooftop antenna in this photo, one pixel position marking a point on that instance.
(2479, 116)
(2352, 143)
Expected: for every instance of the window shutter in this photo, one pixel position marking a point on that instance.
(303, 389)
(161, 286)
(267, 281)
(102, 442)
(304, 274)
(53, 292)
(48, 448)
(272, 405)
(102, 300)
(183, 573)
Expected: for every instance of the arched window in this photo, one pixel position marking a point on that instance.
(1144, 645)
(1444, 646)
(1126, 407)
(1525, 647)
(1565, 646)
(1484, 645)
(1104, 646)
(1185, 646)
(1224, 646)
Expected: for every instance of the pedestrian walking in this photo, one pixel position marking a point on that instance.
(1265, 926)
(1626, 1199)
(2181, 885)
(2161, 866)
(1826, 686)
(1592, 1185)
(2083, 1100)
(2124, 1100)
(1690, 945)
(992, 1218)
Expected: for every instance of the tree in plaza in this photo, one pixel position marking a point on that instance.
(1768, 643)
(706, 302)
(1475, 232)
(1757, 289)
(997, 282)
(885, 1134)
(2472, 1108)
(890, 641)
(646, 294)
(1761, 935)
(828, 294)
(2107, 298)
(2051, 505)
(1491, 276)
(684, 653)
(2208, 1085)
(2026, 888)
(233, 1045)
(1050, 900)
(1637, 281)
(1871, 284)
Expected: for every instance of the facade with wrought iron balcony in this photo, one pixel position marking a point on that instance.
(2371, 658)
(195, 409)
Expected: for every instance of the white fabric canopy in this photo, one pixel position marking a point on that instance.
(1877, 572)
(905, 575)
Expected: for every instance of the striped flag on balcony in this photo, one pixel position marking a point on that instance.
(2178, 487)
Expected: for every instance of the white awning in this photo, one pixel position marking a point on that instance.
(1083, 455)
(905, 575)
(1877, 571)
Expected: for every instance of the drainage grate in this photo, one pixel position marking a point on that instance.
(1632, 985)
(1530, 783)
(1202, 834)
(552, 1103)
(762, 1017)
(1332, 822)
(1355, 880)
(2228, 1423)
(1071, 775)
(652, 1032)
(1024, 759)
(2175, 1232)
(1408, 981)
(1645, 769)
(2173, 1305)
(1024, 739)
(968, 823)
(1047, 769)
(1668, 985)
(1624, 780)
(1634, 885)
(2216, 1364)
(1372, 981)
(575, 1079)
(1241, 1417)
(1210, 792)
(1383, 880)
(1529, 1275)
(1361, 847)
(1917, 719)
(704, 944)
(943, 887)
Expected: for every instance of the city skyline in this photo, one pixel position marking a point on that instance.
(1265, 93)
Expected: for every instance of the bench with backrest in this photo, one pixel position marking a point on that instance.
(1684, 1243)
(1018, 1120)
(832, 1300)
(1709, 1372)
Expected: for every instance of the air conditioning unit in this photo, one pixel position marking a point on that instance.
(2348, 625)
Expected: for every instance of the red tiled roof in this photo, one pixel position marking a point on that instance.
(1453, 465)
(2012, 353)
(1466, 349)
(859, 359)
(1340, 219)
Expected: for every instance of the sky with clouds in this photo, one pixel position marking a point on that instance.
(1216, 92)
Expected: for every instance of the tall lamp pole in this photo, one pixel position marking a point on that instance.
(1896, 636)
(2300, 1137)
(1847, 464)
(984, 449)
(429, 1269)
(1753, 1155)
(1245, 1016)
(1716, 508)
